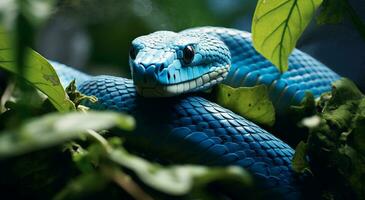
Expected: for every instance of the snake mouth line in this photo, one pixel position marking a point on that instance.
(205, 81)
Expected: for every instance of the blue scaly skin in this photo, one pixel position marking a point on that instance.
(159, 68)
(191, 129)
(160, 62)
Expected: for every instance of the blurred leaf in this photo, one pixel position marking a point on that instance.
(38, 72)
(311, 122)
(115, 164)
(36, 11)
(80, 157)
(250, 102)
(8, 13)
(331, 12)
(277, 26)
(300, 162)
(54, 129)
(38, 175)
(82, 186)
(178, 180)
(334, 11)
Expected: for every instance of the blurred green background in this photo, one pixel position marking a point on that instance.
(95, 35)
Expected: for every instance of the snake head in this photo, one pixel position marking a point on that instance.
(166, 63)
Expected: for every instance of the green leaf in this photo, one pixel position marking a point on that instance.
(115, 164)
(331, 12)
(54, 129)
(250, 102)
(305, 109)
(181, 179)
(278, 24)
(38, 72)
(77, 97)
(343, 91)
(83, 186)
(359, 129)
(300, 162)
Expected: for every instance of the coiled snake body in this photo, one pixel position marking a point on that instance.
(191, 129)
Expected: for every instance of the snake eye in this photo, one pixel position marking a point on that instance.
(188, 54)
(133, 52)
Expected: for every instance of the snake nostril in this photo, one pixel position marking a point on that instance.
(162, 66)
(168, 76)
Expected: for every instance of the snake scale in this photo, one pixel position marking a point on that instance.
(186, 128)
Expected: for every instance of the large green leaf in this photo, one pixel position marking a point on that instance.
(53, 129)
(250, 102)
(37, 71)
(277, 25)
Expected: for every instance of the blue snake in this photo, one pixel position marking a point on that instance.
(186, 128)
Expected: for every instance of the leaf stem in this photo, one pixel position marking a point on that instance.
(126, 182)
(100, 139)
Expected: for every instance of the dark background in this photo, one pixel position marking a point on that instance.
(95, 35)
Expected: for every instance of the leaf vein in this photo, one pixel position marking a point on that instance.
(283, 35)
(275, 48)
(272, 10)
(272, 33)
(300, 17)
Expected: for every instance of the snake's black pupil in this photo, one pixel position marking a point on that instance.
(188, 54)
(133, 53)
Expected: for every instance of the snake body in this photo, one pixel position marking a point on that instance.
(190, 129)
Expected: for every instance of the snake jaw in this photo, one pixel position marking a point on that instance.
(201, 83)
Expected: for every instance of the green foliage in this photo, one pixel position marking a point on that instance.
(250, 102)
(335, 145)
(300, 163)
(77, 97)
(99, 163)
(91, 164)
(82, 186)
(113, 161)
(178, 180)
(103, 166)
(278, 24)
(332, 12)
(37, 71)
(305, 109)
(36, 11)
(335, 11)
(55, 129)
